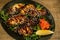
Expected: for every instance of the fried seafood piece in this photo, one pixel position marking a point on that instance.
(33, 12)
(20, 5)
(37, 13)
(25, 31)
(32, 22)
(15, 8)
(18, 19)
(27, 8)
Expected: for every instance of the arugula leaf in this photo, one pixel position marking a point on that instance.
(27, 38)
(11, 28)
(3, 16)
(32, 37)
(36, 28)
(39, 7)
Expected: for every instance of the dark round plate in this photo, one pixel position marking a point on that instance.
(19, 37)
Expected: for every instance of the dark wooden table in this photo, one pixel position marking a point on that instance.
(54, 8)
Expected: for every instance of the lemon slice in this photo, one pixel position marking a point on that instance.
(44, 32)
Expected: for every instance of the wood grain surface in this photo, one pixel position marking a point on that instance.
(54, 8)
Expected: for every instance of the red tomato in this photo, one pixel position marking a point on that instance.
(44, 24)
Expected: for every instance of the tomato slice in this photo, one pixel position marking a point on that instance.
(44, 24)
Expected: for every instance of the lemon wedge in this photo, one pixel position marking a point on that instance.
(44, 32)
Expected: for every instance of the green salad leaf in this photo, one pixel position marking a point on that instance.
(3, 16)
(32, 37)
(11, 28)
(39, 7)
(36, 27)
